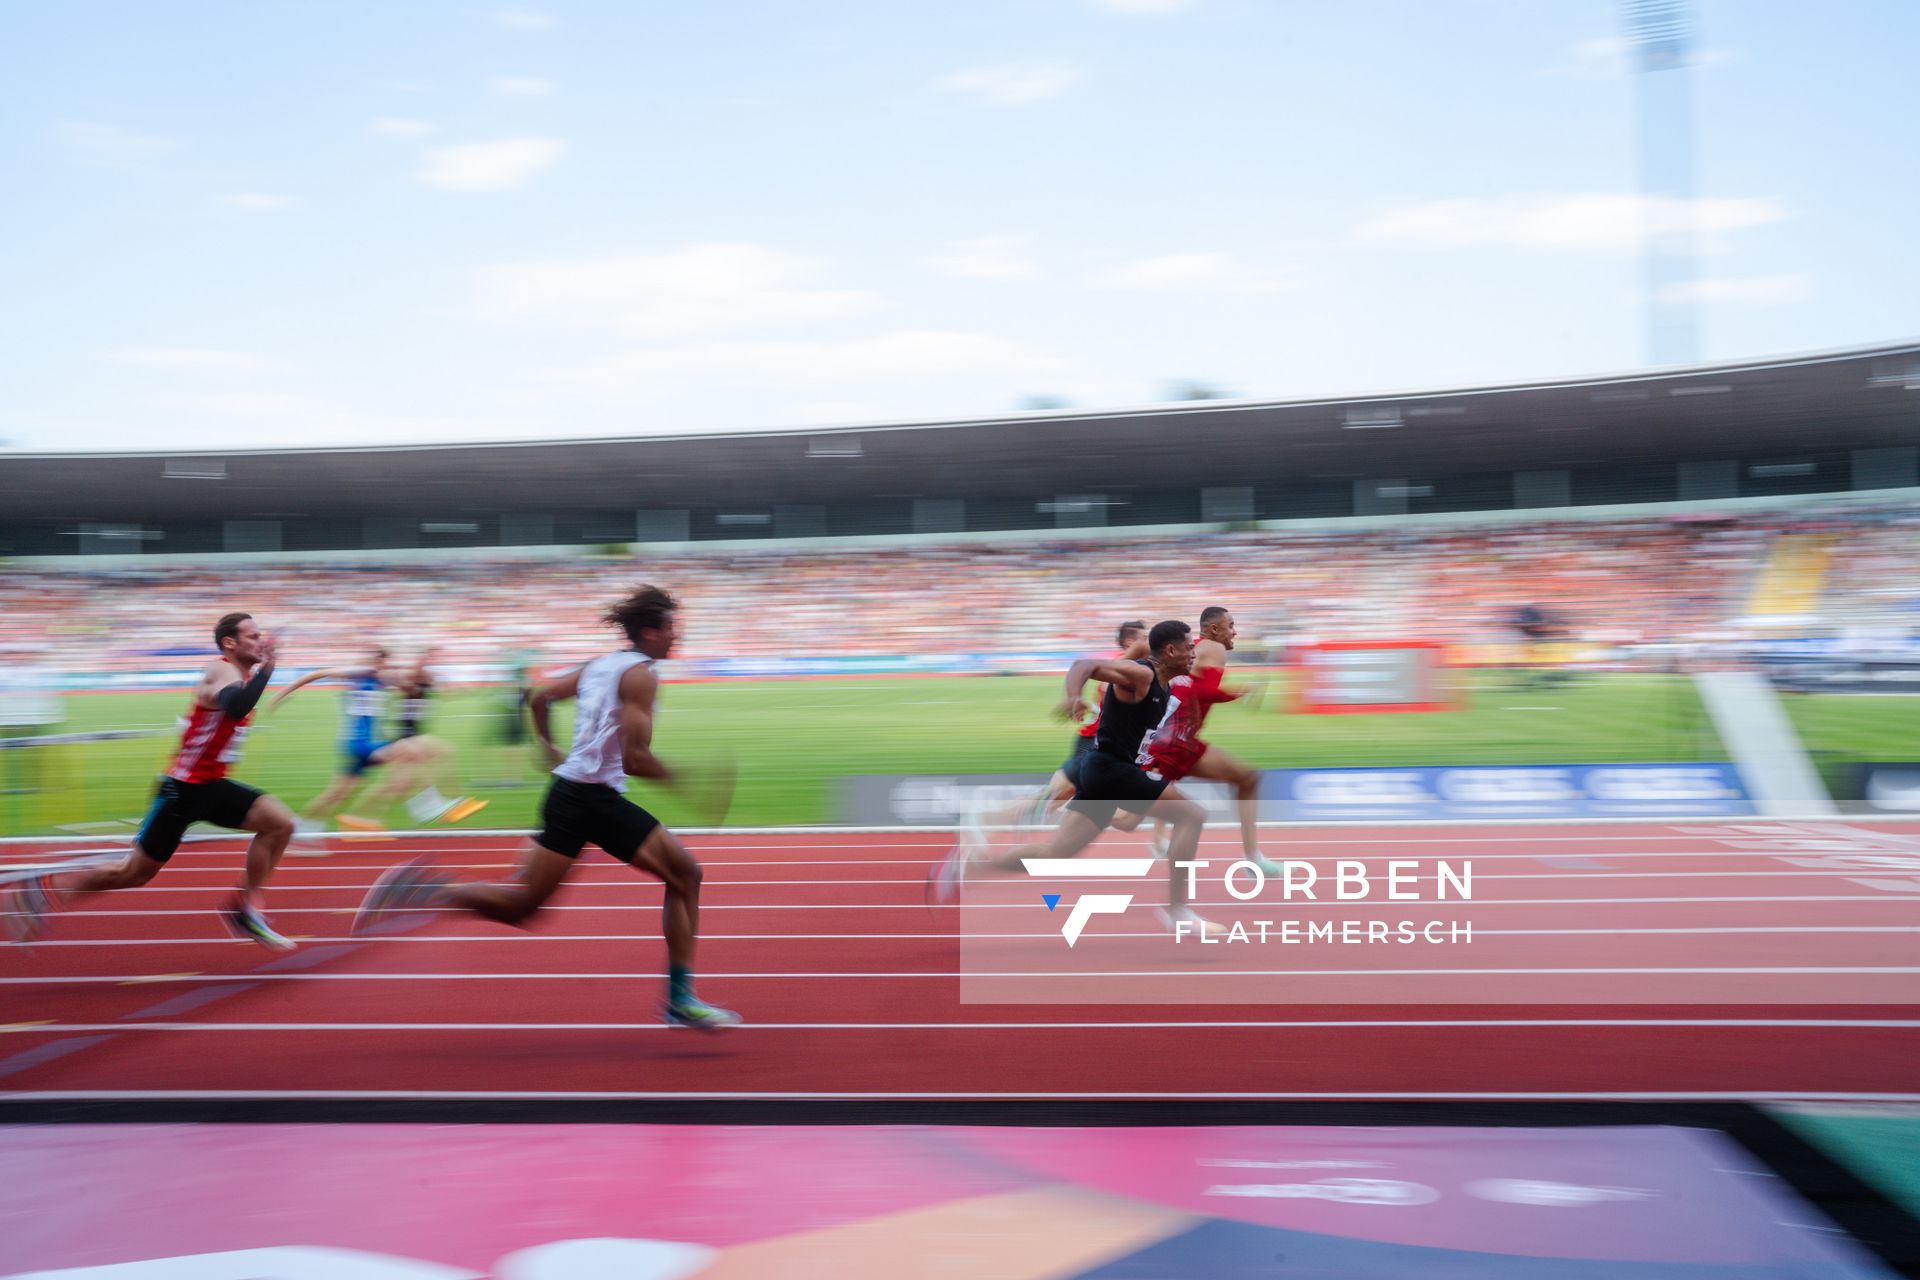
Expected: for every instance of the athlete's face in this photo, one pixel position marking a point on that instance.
(247, 645)
(1176, 659)
(1221, 630)
(657, 642)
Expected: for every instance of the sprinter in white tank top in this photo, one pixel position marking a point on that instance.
(612, 741)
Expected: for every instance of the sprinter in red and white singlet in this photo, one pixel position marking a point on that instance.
(195, 788)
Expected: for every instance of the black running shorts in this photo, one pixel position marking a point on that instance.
(1082, 743)
(1106, 783)
(582, 813)
(178, 805)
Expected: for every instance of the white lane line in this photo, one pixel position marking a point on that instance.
(1037, 905)
(396, 1095)
(919, 882)
(782, 975)
(942, 837)
(628, 938)
(342, 862)
(1869, 1024)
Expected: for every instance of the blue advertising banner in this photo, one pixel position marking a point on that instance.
(1506, 791)
(1352, 795)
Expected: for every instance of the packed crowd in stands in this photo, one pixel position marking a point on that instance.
(1635, 582)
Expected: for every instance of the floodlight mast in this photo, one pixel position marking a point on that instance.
(1660, 33)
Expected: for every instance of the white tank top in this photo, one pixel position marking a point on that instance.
(595, 757)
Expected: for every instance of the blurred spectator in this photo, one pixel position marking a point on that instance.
(1623, 583)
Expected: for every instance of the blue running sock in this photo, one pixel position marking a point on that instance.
(679, 984)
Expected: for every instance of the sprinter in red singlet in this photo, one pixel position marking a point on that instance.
(195, 788)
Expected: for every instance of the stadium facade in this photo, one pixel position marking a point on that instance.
(1832, 422)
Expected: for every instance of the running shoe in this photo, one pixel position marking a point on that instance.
(461, 809)
(351, 822)
(698, 1014)
(245, 921)
(409, 885)
(1197, 926)
(943, 880)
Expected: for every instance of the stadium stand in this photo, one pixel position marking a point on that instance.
(1630, 582)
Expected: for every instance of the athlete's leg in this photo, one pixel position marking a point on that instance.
(663, 856)
(1186, 818)
(272, 825)
(1029, 809)
(541, 872)
(130, 872)
(1220, 765)
(1060, 790)
(338, 792)
(1075, 832)
(398, 770)
(28, 902)
(153, 846)
(426, 756)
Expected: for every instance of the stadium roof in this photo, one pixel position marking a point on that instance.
(1787, 407)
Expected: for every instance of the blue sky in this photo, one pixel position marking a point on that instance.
(277, 223)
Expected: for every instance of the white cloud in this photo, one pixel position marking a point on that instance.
(1579, 222)
(522, 86)
(1758, 290)
(1208, 271)
(257, 201)
(1148, 7)
(910, 353)
(189, 360)
(1013, 84)
(488, 166)
(524, 19)
(988, 258)
(704, 288)
(403, 127)
(109, 144)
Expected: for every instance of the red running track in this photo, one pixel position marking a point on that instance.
(849, 980)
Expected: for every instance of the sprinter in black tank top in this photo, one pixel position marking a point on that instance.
(1109, 780)
(1124, 725)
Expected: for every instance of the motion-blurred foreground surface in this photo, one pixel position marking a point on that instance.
(563, 1202)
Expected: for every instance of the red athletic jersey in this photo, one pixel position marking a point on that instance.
(1173, 749)
(1092, 726)
(210, 742)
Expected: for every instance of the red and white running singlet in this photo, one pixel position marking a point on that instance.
(210, 742)
(1175, 747)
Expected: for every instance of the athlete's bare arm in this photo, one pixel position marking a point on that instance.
(1208, 654)
(224, 674)
(1130, 682)
(219, 674)
(638, 687)
(540, 705)
(314, 677)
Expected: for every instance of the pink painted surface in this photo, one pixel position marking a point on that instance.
(468, 1195)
